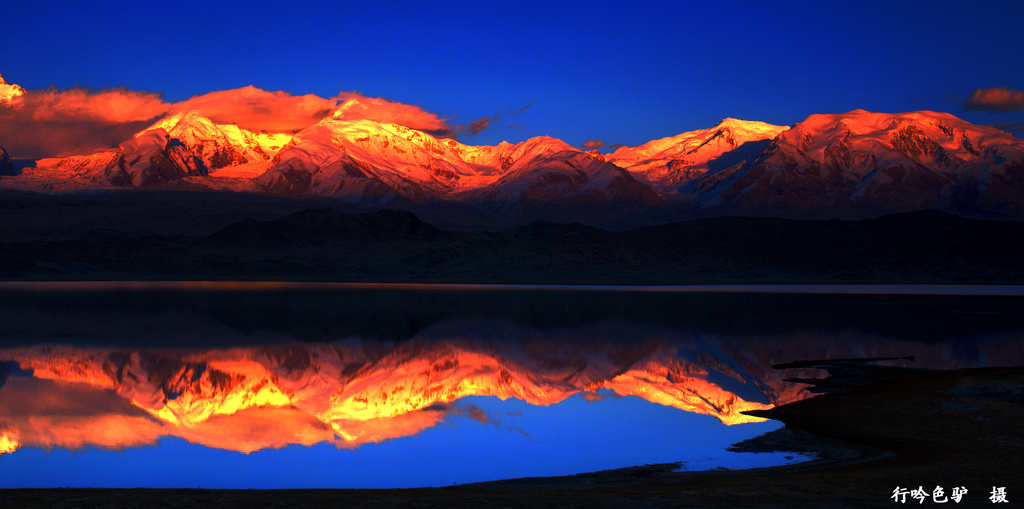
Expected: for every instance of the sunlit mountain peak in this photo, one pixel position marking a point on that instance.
(345, 108)
(360, 160)
(700, 145)
(666, 163)
(192, 128)
(861, 163)
(9, 93)
(939, 141)
(179, 122)
(751, 126)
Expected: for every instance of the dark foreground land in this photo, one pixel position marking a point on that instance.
(166, 236)
(876, 430)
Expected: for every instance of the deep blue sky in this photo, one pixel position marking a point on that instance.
(619, 72)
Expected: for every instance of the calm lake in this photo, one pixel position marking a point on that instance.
(271, 385)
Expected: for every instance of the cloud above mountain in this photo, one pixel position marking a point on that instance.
(113, 105)
(58, 123)
(257, 110)
(54, 122)
(478, 125)
(997, 100)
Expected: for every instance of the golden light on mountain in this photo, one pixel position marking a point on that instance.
(246, 399)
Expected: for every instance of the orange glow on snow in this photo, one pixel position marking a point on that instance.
(246, 399)
(355, 106)
(692, 394)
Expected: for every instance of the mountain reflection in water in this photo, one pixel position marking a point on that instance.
(308, 367)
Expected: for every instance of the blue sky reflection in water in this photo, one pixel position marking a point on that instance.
(521, 440)
(262, 371)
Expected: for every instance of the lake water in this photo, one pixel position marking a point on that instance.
(269, 385)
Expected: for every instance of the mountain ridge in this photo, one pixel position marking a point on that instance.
(851, 165)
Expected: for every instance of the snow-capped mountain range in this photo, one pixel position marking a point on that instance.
(862, 163)
(849, 165)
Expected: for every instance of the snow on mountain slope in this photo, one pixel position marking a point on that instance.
(68, 174)
(151, 158)
(862, 163)
(364, 161)
(183, 146)
(550, 172)
(223, 145)
(360, 161)
(666, 163)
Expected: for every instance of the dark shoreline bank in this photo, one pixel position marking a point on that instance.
(389, 246)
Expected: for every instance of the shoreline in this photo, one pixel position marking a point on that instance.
(967, 289)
